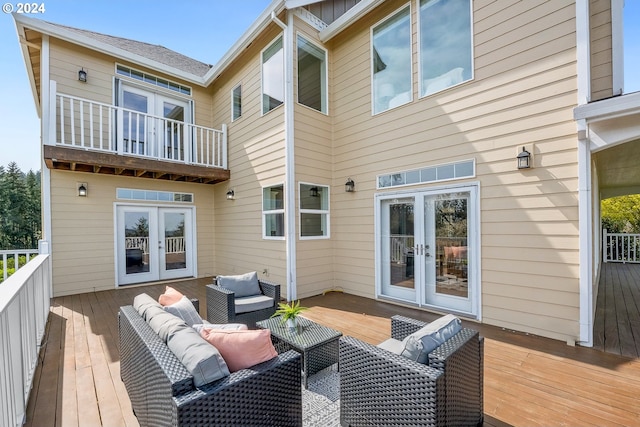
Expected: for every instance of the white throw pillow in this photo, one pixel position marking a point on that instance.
(185, 310)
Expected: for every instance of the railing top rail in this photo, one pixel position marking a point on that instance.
(10, 288)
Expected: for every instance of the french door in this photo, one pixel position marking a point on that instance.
(427, 248)
(153, 124)
(153, 243)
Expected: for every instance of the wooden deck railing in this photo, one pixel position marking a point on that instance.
(24, 307)
(95, 126)
(620, 247)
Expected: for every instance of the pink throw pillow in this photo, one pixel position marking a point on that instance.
(170, 297)
(241, 349)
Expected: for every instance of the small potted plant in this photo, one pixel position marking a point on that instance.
(289, 312)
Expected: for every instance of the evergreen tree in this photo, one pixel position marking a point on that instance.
(20, 220)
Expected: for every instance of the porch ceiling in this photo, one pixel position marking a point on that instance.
(618, 169)
(72, 159)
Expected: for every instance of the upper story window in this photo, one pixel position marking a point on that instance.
(151, 79)
(273, 212)
(445, 40)
(314, 211)
(312, 75)
(236, 102)
(272, 76)
(391, 61)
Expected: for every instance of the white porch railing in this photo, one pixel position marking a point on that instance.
(14, 255)
(171, 244)
(24, 307)
(620, 247)
(95, 126)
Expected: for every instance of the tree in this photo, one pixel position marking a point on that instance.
(621, 214)
(20, 221)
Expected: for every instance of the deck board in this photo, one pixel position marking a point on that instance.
(529, 380)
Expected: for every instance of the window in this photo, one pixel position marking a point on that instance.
(150, 195)
(445, 44)
(444, 172)
(391, 62)
(314, 211)
(273, 212)
(236, 102)
(312, 75)
(151, 79)
(272, 76)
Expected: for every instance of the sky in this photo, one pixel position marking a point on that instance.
(201, 29)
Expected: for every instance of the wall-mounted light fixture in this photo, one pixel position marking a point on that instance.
(313, 191)
(82, 75)
(524, 159)
(83, 189)
(349, 186)
(231, 195)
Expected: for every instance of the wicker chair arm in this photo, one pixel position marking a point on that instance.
(270, 289)
(220, 304)
(402, 326)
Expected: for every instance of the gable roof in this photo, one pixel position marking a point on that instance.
(153, 52)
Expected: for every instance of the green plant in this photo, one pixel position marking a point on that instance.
(289, 310)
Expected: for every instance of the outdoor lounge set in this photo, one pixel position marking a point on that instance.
(181, 370)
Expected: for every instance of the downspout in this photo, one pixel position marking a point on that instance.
(289, 159)
(585, 213)
(48, 90)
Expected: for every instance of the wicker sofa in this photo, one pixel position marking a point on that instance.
(221, 305)
(379, 388)
(162, 391)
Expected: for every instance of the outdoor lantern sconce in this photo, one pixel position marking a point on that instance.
(349, 186)
(82, 75)
(231, 195)
(82, 190)
(524, 159)
(314, 191)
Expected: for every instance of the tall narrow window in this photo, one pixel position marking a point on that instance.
(273, 212)
(312, 75)
(391, 62)
(272, 76)
(236, 102)
(314, 211)
(445, 44)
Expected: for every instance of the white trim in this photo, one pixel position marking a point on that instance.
(29, 67)
(284, 66)
(46, 130)
(351, 16)
(617, 46)
(271, 211)
(233, 89)
(325, 212)
(585, 216)
(291, 4)
(583, 48)
(609, 108)
(325, 88)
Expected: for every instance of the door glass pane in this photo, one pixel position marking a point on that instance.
(451, 232)
(401, 244)
(174, 241)
(134, 124)
(136, 242)
(174, 126)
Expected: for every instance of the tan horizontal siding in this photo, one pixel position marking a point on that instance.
(601, 59)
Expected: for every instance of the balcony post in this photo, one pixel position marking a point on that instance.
(186, 131)
(119, 130)
(223, 162)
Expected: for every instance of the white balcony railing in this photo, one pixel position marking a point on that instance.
(172, 245)
(12, 260)
(620, 247)
(89, 125)
(24, 307)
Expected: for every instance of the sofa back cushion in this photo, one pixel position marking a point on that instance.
(241, 349)
(142, 303)
(419, 344)
(242, 285)
(201, 359)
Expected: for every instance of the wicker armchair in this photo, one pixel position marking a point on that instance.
(221, 307)
(379, 388)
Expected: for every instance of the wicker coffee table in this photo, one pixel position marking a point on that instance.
(318, 344)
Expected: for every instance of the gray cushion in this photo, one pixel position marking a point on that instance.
(200, 358)
(253, 303)
(223, 326)
(393, 345)
(242, 286)
(142, 303)
(185, 310)
(164, 324)
(419, 344)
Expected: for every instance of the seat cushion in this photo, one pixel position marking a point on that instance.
(419, 344)
(185, 310)
(242, 285)
(170, 296)
(201, 359)
(253, 303)
(241, 349)
(393, 345)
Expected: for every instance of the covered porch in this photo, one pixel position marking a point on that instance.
(528, 380)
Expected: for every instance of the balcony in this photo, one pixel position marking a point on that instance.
(89, 136)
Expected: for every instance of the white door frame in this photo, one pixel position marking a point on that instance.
(474, 234)
(157, 270)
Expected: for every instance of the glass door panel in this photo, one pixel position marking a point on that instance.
(137, 255)
(135, 122)
(173, 128)
(175, 243)
(397, 248)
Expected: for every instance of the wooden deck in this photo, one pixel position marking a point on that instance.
(617, 323)
(528, 381)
